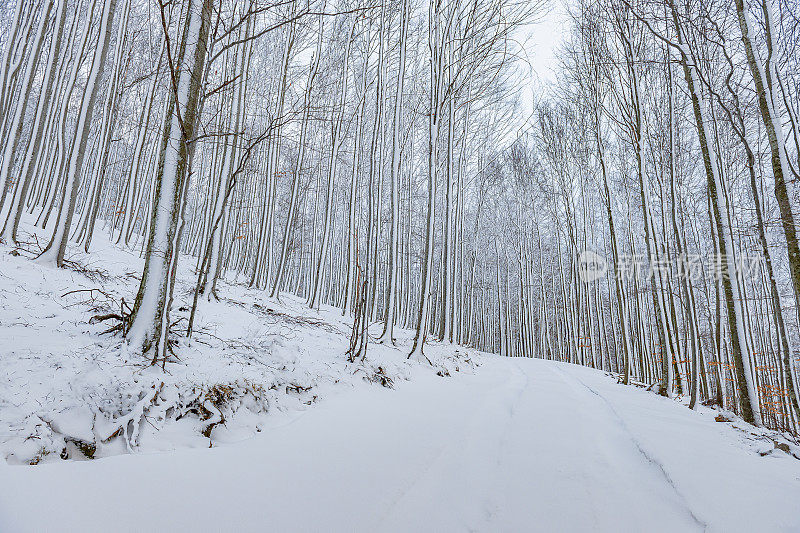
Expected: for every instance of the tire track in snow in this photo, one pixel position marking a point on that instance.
(518, 383)
(452, 455)
(584, 486)
(579, 431)
(639, 446)
(481, 436)
(512, 405)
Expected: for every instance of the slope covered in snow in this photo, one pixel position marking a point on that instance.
(521, 445)
(67, 389)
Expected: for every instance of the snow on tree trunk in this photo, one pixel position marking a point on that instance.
(55, 250)
(149, 323)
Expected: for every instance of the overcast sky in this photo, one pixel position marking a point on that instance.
(543, 37)
(538, 41)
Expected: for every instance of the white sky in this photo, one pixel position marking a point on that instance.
(539, 41)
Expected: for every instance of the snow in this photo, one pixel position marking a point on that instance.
(141, 328)
(61, 380)
(522, 445)
(308, 443)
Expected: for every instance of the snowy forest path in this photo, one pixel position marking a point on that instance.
(520, 445)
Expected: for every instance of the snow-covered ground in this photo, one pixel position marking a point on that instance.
(67, 389)
(521, 445)
(302, 440)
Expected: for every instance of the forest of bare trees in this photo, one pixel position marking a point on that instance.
(369, 156)
(669, 151)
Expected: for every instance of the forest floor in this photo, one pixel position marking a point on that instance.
(303, 440)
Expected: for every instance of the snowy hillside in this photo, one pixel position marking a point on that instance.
(68, 390)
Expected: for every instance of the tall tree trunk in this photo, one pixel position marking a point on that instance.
(149, 321)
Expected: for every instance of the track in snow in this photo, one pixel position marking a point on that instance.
(522, 445)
